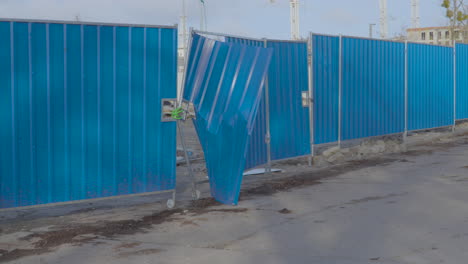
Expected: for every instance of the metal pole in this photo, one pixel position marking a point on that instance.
(195, 192)
(310, 62)
(405, 134)
(454, 85)
(267, 111)
(184, 74)
(340, 89)
(371, 30)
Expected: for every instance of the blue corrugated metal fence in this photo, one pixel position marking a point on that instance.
(325, 72)
(373, 93)
(373, 87)
(462, 80)
(289, 120)
(80, 111)
(257, 152)
(430, 86)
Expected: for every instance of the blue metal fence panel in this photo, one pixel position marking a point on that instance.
(225, 83)
(462, 81)
(257, 153)
(289, 120)
(80, 111)
(373, 93)
(325, 54)
(430, 86)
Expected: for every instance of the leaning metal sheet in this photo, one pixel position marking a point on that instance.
(225, 83)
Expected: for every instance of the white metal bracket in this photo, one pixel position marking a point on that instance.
(307, 101)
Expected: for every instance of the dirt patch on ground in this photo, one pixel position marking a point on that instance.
(19, 253)
(373, 198)
(127, 245)
(148, 251)
(189, 223)
(203, 203)
(227, 210)
(312, 178)
(285, 211)
(88, 210)
(68, 235)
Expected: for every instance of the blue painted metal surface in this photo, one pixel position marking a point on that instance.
(257, 152)
(325, 56)
(225, 83)
(430, 86)
(462, 81)
(80, 111)
(289, 120)
(373, 94)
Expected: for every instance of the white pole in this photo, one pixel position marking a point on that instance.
(267, 116)
(415, 14)
(295, 19)
(383, 19)
(202, 17)
(405, 135)
(340, 89)
(310, 60)
(454, 86)
(183, 24)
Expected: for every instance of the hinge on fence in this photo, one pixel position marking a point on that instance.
(172, 112)
(306, 99)
(267, 138)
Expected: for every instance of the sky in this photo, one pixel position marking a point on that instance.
(251, 18)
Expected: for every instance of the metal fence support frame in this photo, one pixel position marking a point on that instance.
(310, 63)
(195, 193)
(267, 112)
(454, 86)
(340, 89)
(405, 134)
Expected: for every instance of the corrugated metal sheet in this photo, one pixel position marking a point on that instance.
(225, 83)
(325, 53)
(430, 86)
(462, 81)
(80, 110)
(257, 152)
(289, 121)
(373, 93)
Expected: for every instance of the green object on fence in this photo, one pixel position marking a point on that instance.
(177, 113)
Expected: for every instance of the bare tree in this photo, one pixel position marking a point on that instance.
(457, 13)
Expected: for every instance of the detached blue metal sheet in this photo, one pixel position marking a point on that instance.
(257, 152)
(373, 95)
(325, 54)
(225, 83)
(430, 86)
(80, 111)
(289, 120)
(462, 81)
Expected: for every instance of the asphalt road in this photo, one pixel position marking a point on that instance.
(401, 208)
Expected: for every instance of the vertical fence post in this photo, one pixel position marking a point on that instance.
(310, 63)
(454, 86)
(180, 126)
(405, 134)
(180, 96)
(340, 89)
(267, 111)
